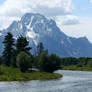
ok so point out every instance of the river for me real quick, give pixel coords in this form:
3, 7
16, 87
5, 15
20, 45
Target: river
72, 81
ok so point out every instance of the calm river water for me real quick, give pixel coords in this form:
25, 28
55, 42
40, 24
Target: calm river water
72, 81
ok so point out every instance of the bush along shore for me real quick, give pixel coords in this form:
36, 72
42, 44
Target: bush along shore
17, 59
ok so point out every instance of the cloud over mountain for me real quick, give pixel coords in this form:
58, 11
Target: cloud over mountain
14, 9
17, 7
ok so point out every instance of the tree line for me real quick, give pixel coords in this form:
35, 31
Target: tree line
17, 53
79, 62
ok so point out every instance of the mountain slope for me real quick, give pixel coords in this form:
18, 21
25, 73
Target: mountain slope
38, 28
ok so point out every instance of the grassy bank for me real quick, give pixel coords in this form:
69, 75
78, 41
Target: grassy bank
74, 67
13, 74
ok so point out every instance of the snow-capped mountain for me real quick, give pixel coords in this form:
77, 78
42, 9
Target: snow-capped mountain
37, 28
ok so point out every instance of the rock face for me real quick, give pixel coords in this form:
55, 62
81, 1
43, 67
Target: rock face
37, 28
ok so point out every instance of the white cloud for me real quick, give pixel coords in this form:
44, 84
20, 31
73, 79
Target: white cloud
16, 8
70, 20
67, 20
11, 7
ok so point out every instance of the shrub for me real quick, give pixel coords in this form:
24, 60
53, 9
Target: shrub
49, 63
24, 61
54, 63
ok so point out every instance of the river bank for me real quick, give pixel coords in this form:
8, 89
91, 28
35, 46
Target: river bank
13, 74
72, 81
75, 68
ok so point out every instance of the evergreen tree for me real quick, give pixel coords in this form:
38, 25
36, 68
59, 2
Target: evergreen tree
8, 48
54, 63
40, 49
13, 59
43, 62
22, 45
0, 60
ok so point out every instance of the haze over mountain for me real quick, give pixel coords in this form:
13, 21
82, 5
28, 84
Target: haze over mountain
37, 28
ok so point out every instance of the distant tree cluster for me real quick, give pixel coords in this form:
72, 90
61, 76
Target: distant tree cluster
17, 54
79, 62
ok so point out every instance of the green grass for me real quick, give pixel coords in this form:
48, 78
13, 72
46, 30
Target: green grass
14, 74
73, 67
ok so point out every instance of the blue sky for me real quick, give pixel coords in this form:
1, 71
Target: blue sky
82, 7
74, 17
1, 2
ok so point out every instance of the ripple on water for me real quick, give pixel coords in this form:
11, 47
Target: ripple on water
72, 81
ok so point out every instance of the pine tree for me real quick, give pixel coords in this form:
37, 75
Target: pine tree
22, 45
8, 48
40, 49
